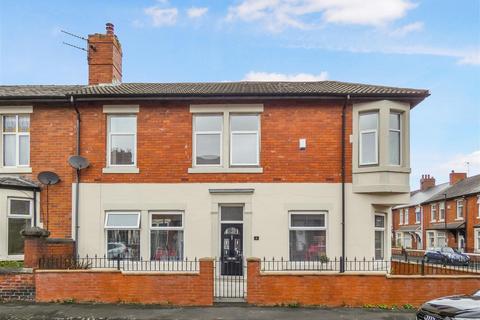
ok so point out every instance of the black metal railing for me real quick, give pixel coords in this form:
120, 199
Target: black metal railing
125, 264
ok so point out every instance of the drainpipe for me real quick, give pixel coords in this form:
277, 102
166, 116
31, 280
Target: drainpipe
344, 110
77, 174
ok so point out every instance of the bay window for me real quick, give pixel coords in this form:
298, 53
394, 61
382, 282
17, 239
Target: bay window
308, 235
441, 239
379, 226
368, 144
431, 239
16, 140
244, 140
407, 241
122, 140
166, 235
394, 136
123, 235
19, 217
208, 140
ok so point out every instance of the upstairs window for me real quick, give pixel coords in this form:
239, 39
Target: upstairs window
122, 140
418, 214
441, 215
368, 146
460, 209
208, 140
401, 216
16, 140
394, 136
433, 212
244, 140
406, 215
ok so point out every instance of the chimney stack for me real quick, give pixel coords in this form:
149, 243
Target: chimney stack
457, 177
426, 182
104, 57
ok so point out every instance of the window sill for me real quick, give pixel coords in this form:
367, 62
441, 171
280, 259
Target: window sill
459, 219
379, 168
16, 170
121, 170
225, 170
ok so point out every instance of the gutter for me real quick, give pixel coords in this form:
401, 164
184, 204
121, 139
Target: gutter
77, 173
344, 110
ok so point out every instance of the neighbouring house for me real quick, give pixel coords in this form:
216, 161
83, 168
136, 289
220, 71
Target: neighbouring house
299, 170
449, 215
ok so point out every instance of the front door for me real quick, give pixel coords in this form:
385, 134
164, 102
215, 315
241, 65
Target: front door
461, 242
232, 249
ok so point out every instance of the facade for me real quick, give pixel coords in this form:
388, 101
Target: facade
231, 170
449, 215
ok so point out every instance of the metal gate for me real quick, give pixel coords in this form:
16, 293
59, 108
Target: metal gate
230, 277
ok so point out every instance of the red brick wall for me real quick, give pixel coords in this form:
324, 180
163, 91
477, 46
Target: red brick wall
36, 248
116, 287
164, 135
16, 286
352, 290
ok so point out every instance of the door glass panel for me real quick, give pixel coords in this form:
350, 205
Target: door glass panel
232, 213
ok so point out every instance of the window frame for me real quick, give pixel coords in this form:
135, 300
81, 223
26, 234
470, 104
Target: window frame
460, 204
407, 216
195, 133
441, 209
437, 237
17, 216
151, 228
431, 236
107, 213
109, 139
400, 134
477, 240
257, 140
309, 212
360, 143
17, 135
418, 217
401, 216
478, 206
382, 229
433, 212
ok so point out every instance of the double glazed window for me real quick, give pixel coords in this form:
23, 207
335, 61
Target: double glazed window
460, 209
122, 140
431, 239
394, 136
16, 140
308, 235
123, 235
19, 217
400, 216
379, 236
368, 125
407, 215
243, 135
418, 214
166, 235
433, 212
441, 239
441, 215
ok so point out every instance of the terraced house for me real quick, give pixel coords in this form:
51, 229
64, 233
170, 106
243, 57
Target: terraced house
299, 170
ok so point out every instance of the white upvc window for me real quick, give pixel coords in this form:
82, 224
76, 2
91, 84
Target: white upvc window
122, 140
166, 235
431, 239
477, 240
407, 240
308, 235
16, 140
244, 140
478, 206
20, 213
401, 216
418, 214
441, 240
379, 227
433, 212
368, 135
407, 215
399, 238
395, 138
460, 213
123, 234
207, 139
441, 215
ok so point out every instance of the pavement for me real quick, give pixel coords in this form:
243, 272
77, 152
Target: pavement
17, 311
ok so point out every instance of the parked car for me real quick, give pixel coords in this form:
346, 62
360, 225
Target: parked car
446, 255
463, 307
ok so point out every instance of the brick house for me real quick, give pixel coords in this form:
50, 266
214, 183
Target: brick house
449, 215
231, 169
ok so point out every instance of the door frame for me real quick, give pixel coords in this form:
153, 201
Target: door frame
219, 230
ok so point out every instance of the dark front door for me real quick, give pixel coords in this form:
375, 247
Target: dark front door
232, 249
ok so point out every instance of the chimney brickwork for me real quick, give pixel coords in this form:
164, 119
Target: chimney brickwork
457, 177
426, 182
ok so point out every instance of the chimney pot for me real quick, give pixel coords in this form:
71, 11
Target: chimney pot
426, 182
110, 28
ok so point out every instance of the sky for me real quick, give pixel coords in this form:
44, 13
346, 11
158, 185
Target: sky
432, 44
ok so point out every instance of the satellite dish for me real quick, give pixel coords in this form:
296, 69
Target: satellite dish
48, 178
78, 162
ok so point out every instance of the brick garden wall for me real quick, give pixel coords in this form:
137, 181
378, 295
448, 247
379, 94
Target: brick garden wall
335, 290
17, 286
110, 286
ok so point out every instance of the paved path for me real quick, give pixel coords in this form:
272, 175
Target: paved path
120, 312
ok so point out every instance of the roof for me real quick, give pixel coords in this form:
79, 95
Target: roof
467, 186
448, 226
37, 91
214, 89
17, 182
418, 196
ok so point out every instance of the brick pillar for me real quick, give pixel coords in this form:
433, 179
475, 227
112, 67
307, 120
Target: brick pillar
35, 245
207, 278
253, 273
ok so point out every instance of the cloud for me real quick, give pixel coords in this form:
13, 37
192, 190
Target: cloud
162, 16
302, 14
406, 29
471, 59
265, 76
196, 12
